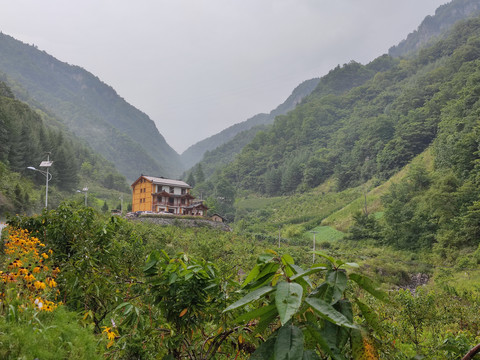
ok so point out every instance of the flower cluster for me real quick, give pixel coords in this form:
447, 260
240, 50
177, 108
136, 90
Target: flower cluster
111, 333
27, 276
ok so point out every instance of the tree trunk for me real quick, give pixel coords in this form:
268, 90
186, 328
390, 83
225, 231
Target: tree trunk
472, 353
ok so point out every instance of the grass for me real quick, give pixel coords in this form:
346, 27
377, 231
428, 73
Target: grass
343, 218
325, 233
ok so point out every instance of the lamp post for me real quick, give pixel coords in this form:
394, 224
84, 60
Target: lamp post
48, 176
84, 190
121, 203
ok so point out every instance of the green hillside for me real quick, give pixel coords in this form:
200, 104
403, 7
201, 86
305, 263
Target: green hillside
370, 131
25, 138
89, 108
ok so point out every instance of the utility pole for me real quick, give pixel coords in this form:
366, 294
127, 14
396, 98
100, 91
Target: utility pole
314, 232
279, 235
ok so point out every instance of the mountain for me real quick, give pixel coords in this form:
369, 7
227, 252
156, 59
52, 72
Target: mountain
336, 81
90, 109
221, 148
25, 137
436, 26
194, 153
368, 131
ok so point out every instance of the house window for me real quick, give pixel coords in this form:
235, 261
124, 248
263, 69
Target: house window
183, 201
171, 189
184, 191
170, 201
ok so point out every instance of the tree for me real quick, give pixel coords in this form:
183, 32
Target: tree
298, 318
199, 175
65, 168
191, 179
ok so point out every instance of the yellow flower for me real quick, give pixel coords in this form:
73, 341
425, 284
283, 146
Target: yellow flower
39, 285
29, 277
45, 256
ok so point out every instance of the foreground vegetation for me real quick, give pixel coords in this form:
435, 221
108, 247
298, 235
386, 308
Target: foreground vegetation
95, 287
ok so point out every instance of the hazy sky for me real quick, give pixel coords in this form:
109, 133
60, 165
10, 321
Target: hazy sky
198, 66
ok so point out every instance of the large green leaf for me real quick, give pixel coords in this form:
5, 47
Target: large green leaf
302, 274
150, 267
328, 345
266, 320
268, 269
288, 300
325, 256
343, 334
263, 275
338, 280
252, 275
256, 313
264, 351
265, 258
261, 281
371, 317
289, 344
369, 286
254, 295
310, 355
329, 313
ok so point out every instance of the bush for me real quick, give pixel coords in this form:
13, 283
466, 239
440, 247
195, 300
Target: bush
45, 336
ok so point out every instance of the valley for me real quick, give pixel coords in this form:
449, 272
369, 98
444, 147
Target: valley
348, 218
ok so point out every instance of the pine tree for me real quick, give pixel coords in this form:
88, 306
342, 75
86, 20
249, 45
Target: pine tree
105, 207
199, 175
191, 179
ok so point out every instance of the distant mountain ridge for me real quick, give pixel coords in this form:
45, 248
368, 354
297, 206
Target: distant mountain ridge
194, 153
91, 109
435, 26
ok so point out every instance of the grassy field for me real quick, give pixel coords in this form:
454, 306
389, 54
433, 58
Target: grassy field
325, 233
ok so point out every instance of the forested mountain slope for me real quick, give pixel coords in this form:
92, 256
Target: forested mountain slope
337, 81
25, 137
90, 108
194, 153
216, 155
370, 131
435, 26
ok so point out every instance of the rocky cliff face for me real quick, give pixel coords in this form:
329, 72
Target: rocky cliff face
436, 26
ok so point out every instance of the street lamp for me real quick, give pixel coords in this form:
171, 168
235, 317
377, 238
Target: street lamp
121, 203
85, 190
48, 176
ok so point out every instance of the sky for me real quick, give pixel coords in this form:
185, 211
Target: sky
198, 66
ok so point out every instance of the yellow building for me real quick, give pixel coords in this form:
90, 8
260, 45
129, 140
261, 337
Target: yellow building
160, 195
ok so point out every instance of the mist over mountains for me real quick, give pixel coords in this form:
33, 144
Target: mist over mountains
91, 109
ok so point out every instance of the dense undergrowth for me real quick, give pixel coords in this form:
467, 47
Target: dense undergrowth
126, 290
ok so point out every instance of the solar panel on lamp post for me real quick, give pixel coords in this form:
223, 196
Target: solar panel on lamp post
48, 176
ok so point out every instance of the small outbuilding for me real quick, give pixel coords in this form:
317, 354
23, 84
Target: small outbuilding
218, 218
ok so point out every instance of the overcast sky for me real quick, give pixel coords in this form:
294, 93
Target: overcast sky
198, 66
